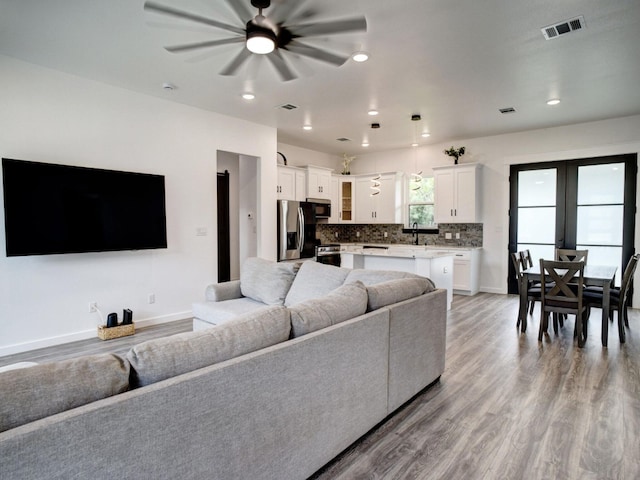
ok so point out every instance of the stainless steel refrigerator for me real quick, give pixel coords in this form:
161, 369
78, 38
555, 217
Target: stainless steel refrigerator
296, 230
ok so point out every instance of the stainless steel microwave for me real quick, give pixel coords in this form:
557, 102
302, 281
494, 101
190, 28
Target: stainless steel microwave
321, 207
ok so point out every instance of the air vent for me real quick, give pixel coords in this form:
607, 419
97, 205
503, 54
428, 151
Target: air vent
342, 139
508, 110
562, 28
288, 106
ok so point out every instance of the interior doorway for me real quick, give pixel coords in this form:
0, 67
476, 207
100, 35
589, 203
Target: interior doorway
242, 241
578, 204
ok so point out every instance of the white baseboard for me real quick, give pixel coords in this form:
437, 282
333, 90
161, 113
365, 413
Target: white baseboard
501, 291
85, 334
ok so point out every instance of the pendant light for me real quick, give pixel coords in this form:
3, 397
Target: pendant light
416, 178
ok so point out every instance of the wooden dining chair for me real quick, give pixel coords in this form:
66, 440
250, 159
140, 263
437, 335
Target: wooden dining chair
533, 293
618, 297
569, 255
565, 297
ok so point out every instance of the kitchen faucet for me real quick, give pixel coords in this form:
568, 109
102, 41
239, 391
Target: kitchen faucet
415, 233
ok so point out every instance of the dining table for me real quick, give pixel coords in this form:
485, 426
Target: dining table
598, 275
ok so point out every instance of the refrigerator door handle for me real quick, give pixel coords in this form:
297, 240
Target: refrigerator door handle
300, 229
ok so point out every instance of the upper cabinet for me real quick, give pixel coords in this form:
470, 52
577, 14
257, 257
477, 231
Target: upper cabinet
342, 199
291, 183
457, 193
319, 182
383, 207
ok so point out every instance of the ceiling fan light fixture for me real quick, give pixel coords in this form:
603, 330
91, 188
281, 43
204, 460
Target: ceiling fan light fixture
260, 40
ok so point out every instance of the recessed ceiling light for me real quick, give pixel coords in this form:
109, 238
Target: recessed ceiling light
168, 86
307, 127
360, 57
365, 144
414, 144
553, 101
373, 112
425, 134
248, 96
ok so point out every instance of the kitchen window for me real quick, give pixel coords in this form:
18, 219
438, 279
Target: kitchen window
421, 205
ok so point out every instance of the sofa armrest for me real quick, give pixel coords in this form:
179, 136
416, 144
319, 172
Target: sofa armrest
219, 292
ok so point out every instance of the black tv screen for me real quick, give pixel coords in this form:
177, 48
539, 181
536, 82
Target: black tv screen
51, 209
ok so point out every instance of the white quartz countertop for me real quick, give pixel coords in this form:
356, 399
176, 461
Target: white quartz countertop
402, 251
399, 249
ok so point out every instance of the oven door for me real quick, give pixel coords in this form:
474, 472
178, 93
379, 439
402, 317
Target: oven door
330, 258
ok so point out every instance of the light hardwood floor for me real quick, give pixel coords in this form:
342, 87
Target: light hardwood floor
506, 407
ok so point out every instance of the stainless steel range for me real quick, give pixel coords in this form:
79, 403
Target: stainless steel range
329, 254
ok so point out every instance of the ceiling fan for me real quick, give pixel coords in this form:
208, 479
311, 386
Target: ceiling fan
266, 36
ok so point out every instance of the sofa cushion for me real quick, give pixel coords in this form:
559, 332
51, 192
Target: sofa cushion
344, 303
39, 391
394, 291
371, 277
167, 357
220, 312
266, 281
315, 280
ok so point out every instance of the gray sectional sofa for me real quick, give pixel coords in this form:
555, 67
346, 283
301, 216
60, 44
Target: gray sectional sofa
273, 393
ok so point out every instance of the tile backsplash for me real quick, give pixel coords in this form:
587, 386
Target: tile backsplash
470, 234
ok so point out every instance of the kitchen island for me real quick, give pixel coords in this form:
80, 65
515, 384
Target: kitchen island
438, 266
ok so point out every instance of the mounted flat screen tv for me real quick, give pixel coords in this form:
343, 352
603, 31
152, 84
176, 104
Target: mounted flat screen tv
52, 209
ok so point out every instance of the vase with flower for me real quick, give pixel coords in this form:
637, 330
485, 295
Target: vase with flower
455, 153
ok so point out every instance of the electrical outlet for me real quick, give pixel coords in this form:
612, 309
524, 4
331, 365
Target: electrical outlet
357, 234
457, 235
93, 307
447, 236
336, 234
152, 298
385, 235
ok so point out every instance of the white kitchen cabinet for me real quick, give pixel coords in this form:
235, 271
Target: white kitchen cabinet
342, 199
386, 206
319, 182
291, 183
457, 193
466, 270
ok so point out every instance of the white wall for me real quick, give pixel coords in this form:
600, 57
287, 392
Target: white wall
301, 157
54, 117
497, 153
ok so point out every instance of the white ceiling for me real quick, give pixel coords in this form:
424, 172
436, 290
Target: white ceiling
455, 62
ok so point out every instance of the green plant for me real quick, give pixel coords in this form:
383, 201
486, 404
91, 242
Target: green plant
452, 152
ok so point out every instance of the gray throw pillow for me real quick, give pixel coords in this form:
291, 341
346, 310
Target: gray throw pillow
315, 280
167, 357
344, 303
266, 281
394, 291
371, 277
42, 390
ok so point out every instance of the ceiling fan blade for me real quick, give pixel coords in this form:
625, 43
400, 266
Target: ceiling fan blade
156, 7
240, 7
317, 53
281, 66
211, 43
329, 28
236, 63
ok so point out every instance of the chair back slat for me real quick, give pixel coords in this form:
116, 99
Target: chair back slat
569, 255
567, 280
627, 277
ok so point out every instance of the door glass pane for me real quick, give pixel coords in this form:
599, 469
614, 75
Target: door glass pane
537, 188
538, 251
601, 184
604, 256
537, 225
600, 225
